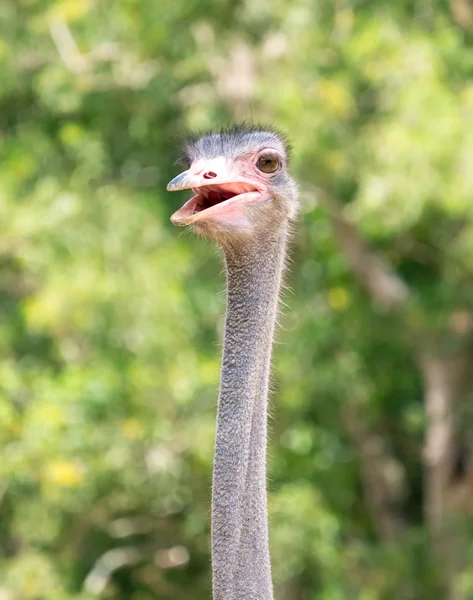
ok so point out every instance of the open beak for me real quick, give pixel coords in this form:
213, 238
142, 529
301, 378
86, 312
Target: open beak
219, 193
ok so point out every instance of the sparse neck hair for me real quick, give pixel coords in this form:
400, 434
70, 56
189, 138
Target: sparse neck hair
240, 548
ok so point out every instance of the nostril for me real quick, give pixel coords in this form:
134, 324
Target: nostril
210, 175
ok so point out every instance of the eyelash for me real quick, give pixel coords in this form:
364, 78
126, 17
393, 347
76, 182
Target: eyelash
270, 157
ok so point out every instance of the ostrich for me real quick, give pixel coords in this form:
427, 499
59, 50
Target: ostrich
245, 200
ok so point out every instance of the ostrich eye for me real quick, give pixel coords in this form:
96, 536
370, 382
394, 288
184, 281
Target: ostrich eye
268, 164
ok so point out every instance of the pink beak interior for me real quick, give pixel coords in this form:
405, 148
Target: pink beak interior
217, 195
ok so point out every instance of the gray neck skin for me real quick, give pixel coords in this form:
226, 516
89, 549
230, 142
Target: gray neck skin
240, 552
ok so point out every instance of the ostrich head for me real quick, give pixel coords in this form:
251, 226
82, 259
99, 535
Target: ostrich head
240, 180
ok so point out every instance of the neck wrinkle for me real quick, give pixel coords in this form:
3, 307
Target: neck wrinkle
240, 549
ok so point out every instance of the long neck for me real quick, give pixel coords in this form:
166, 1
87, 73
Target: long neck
240, 550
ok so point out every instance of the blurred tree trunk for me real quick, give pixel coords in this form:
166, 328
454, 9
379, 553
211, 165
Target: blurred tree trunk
448, 495
382, 475
447, 461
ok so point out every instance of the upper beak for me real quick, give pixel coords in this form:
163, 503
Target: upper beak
185, 181
204, 172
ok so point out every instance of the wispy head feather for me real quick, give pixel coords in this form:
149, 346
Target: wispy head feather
231, 140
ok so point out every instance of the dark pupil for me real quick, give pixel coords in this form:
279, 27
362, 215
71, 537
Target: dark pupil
268, 165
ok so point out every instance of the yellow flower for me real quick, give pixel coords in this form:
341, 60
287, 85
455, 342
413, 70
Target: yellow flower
132, 429
64, 473
338, 298
70, 10
336, 97
51, 414
44, 310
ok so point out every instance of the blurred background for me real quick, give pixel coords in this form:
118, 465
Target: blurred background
111, 319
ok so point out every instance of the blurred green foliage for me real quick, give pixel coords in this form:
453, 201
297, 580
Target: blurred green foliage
110, 319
